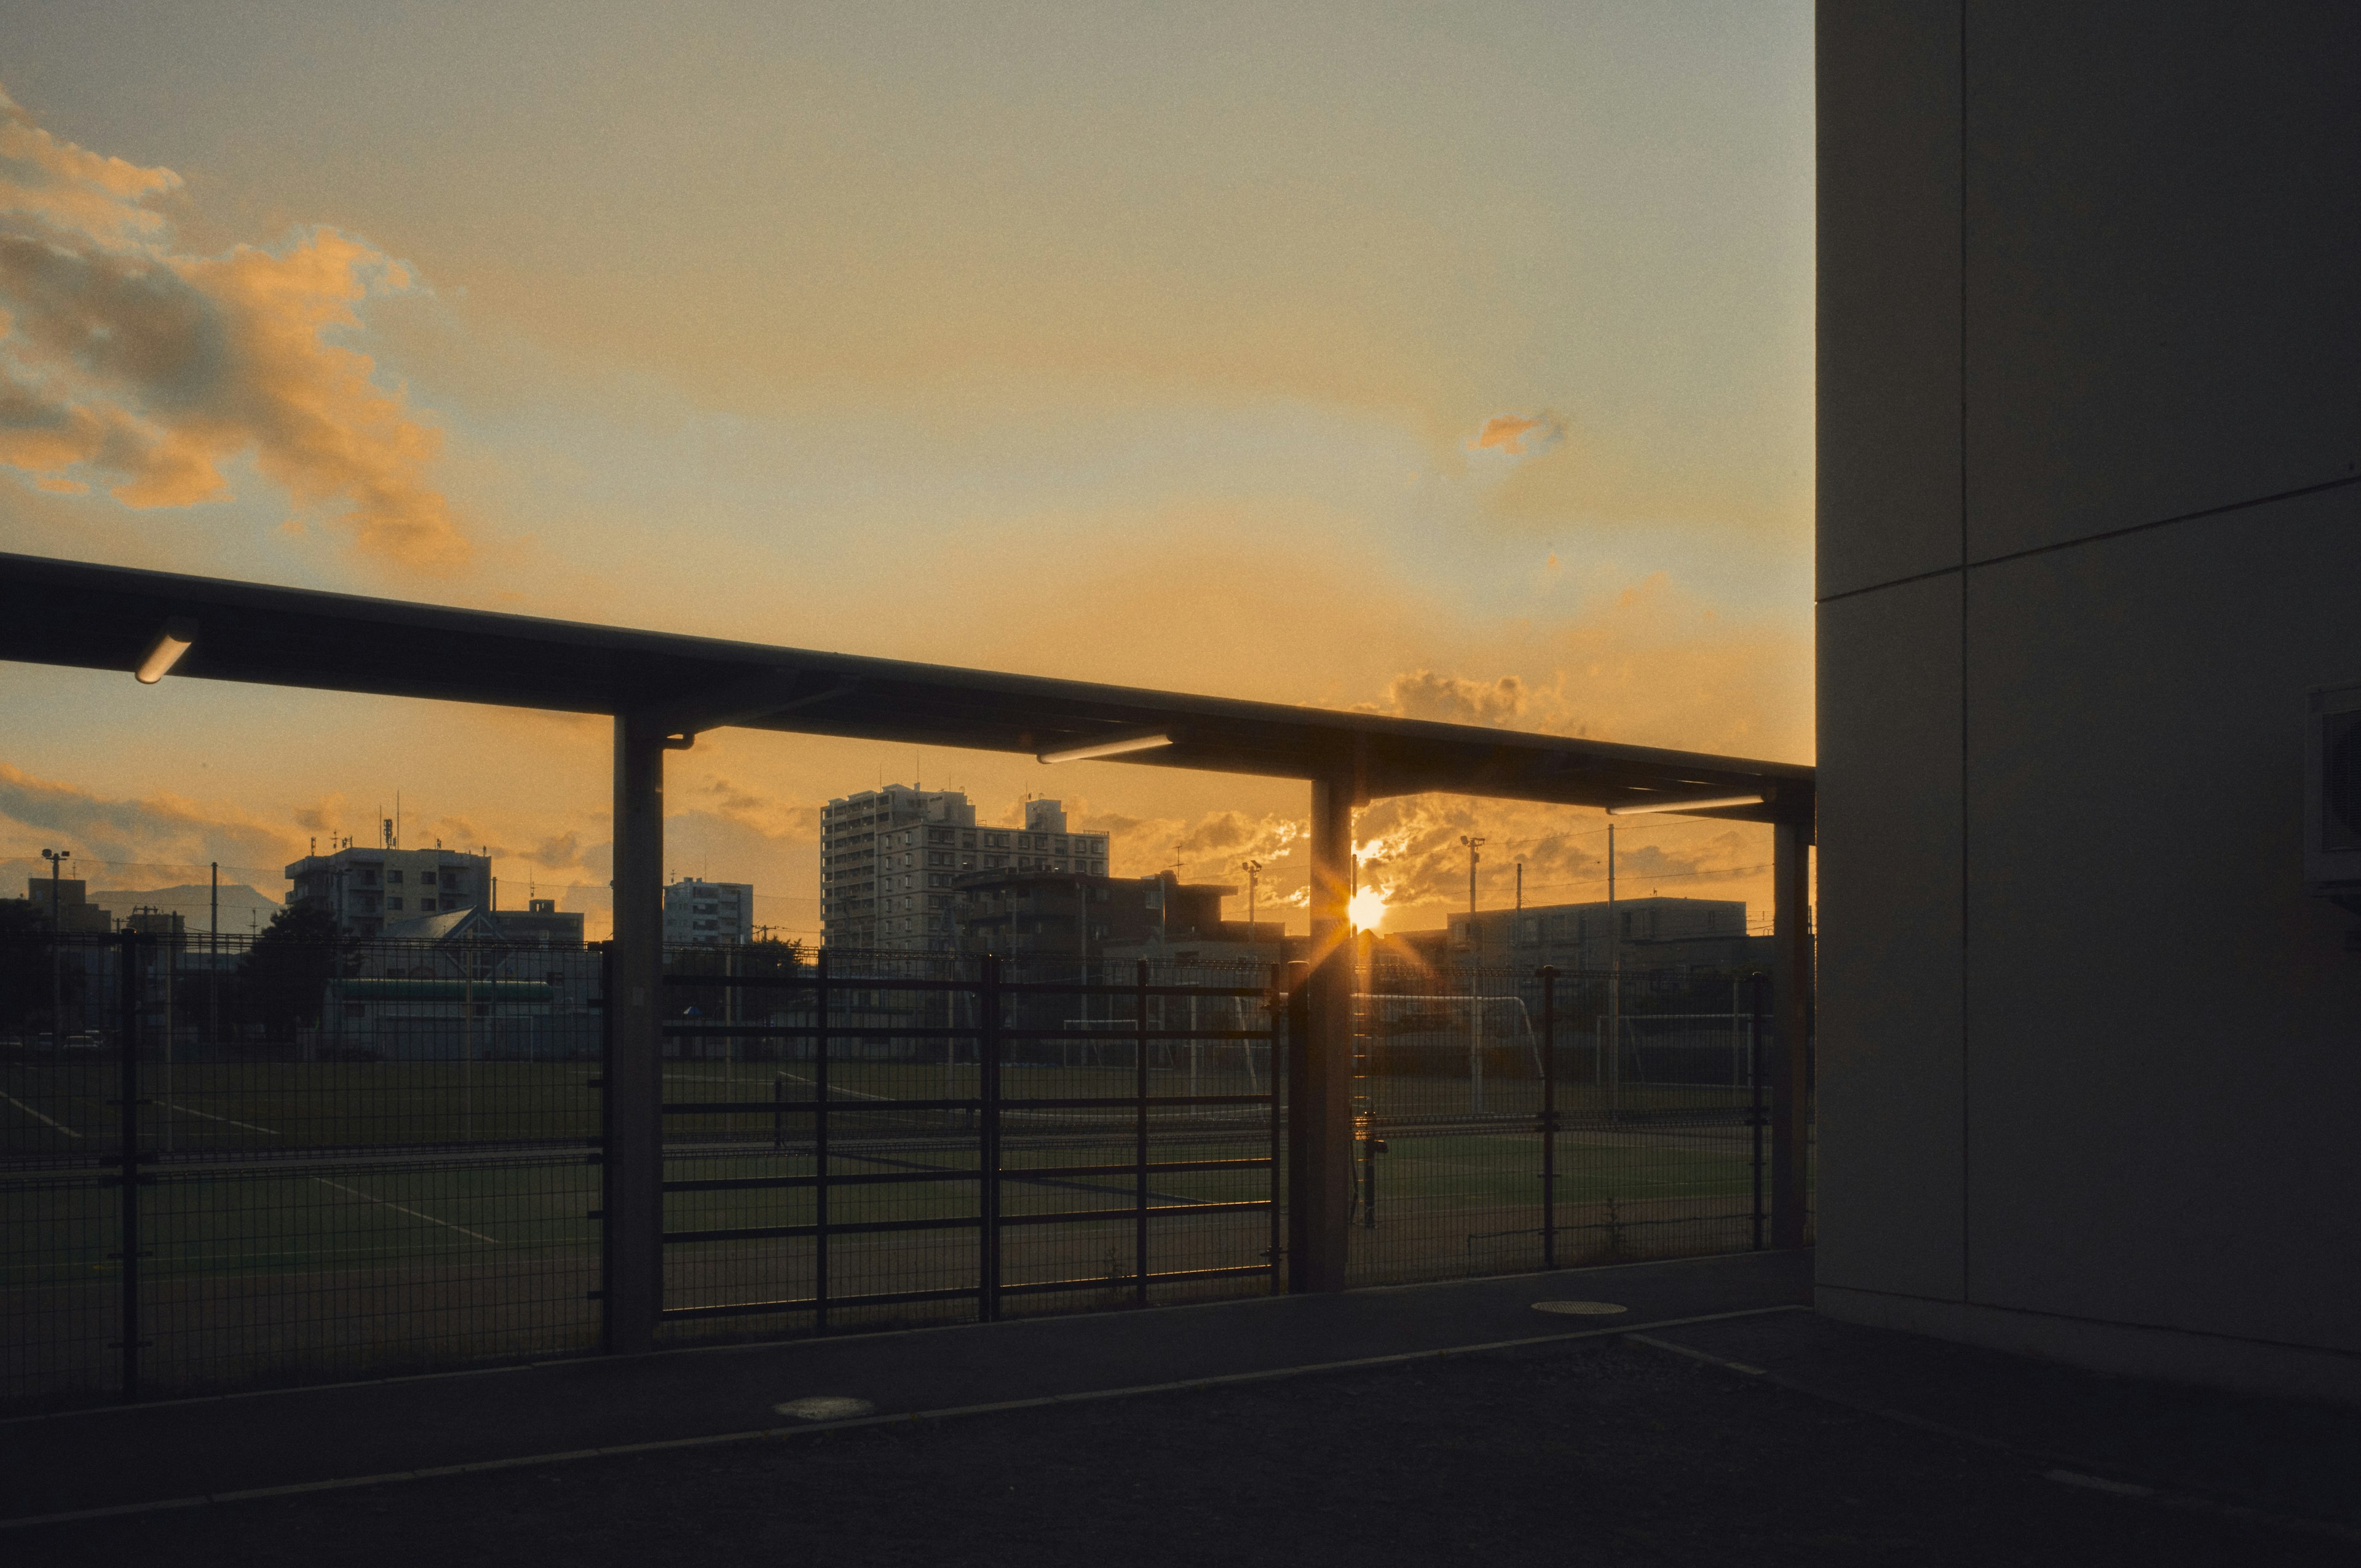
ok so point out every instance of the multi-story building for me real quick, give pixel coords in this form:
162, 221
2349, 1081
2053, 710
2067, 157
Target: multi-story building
368, 889
699, 914
1075, 914
63, 904
1643, 933
889, 857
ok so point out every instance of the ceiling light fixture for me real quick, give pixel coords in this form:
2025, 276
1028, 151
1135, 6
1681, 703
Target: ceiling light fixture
166, 651
1090, 749
1703, 803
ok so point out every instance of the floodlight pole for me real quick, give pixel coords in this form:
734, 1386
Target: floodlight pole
57, 955
634, 1162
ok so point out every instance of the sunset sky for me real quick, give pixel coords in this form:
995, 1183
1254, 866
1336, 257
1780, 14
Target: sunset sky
1452, 361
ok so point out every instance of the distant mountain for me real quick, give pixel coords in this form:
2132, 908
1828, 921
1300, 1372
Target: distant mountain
242, 908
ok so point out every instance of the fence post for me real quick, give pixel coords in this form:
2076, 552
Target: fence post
1299, 1159
1272, 1006
1791, 994
1754, 1080
635, 1067
1139, 1137
1549, 1117
128, 1133
819, 1142
988, 1153
608, 1238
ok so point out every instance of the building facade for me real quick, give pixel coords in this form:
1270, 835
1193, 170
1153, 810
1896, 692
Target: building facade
699, 914
889, 859
1074, 914
1640, 933
368, 889
2090, 523
63, 904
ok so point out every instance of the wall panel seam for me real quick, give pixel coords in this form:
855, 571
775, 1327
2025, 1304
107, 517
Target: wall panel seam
2225, 510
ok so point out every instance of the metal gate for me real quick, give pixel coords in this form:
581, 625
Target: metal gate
852, 1140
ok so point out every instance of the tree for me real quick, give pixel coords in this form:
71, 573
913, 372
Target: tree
284, 978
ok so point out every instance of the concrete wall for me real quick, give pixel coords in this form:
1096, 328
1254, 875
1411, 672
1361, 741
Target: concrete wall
2089, 477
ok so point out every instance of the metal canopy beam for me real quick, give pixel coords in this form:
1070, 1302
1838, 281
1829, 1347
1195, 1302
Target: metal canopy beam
106, 618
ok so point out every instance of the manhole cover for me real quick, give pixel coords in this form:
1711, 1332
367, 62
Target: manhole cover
1581, 1309
825, 1408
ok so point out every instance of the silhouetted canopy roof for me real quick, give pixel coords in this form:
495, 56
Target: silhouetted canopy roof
106, 618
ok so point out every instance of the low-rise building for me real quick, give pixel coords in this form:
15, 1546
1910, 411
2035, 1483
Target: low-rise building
699, 914
1641, 933
461, 986
369, 889
61, 904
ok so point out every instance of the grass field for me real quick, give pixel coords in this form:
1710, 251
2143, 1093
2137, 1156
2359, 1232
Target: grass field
306, 1219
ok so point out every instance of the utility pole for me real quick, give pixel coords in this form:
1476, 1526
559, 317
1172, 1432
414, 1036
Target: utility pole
212, 966
1521, 884
57, 954
1254, 870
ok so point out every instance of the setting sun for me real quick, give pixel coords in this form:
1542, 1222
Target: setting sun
1368, 909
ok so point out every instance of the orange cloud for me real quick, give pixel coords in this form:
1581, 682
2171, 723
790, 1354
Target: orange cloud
1518, 434
1423, 694
119, 357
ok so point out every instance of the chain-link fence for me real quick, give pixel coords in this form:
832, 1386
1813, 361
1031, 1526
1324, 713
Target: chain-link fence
898, 1137
337, 1160
269, 1162
1514, 1119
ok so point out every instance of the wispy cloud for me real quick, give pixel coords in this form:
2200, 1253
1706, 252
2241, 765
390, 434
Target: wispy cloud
1519, 436
131, 364
158, 830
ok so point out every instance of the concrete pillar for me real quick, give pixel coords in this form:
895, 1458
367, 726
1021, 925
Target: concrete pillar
634, 1170
1320, 1112
1790, 992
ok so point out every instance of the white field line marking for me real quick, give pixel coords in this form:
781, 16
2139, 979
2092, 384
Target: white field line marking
834, 1088
36, 1116
400, 1210
209, 1116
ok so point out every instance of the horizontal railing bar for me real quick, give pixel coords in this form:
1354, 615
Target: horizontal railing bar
856, 1228
1120, 1032
806, 1107
1100, 988
1043, 1288
845, 982
1117, 1101
836, 1178
883, 1298
1155, 1212
1154, 1167
675, 1028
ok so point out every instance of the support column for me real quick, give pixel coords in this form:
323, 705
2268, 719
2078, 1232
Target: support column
1791, 989
1320, 1112
635, 1197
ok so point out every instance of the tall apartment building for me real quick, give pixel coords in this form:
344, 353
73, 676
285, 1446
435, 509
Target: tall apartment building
887, 857
699, 914
368, 889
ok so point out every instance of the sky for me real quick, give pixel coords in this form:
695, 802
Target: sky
1446, 361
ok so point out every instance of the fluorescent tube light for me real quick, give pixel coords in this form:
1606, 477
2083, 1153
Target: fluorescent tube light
166, 651
1701, 803
1085, 752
